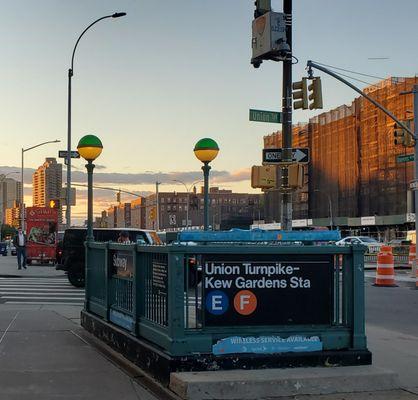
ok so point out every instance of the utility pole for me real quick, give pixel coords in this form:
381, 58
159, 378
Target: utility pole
286, 206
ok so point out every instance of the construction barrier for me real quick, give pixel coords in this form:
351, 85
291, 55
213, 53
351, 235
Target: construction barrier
385, 271
400, 257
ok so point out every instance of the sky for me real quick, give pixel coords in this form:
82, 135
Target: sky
153, 83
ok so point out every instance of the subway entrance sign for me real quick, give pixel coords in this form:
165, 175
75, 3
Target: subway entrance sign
267, 290
405, 158
265, 116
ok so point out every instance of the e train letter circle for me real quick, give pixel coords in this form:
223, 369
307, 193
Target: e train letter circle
217, 302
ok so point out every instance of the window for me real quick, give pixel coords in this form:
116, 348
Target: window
180, 208
168, 208
162, 200
162, 208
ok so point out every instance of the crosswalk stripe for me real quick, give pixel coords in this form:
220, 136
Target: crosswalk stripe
42, 297
48, 291
5, 290
61, 303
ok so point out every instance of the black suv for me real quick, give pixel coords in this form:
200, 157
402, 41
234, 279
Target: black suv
73, 250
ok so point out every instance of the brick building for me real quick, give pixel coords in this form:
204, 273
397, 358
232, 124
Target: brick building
354, 162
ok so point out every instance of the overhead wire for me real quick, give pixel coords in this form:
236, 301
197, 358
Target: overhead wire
349, 71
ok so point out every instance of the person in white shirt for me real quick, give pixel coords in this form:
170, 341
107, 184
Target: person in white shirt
19, 242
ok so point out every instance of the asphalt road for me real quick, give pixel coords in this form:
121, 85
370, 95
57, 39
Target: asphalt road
394, 308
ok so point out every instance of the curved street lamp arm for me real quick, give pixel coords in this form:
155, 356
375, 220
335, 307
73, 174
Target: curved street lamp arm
178, 181
82, 33
188, 188
41, 144
108, 188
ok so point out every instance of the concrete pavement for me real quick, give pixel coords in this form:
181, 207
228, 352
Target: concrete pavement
44, 357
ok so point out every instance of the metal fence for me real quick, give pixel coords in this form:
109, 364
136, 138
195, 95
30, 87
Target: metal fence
160, 293
400, 256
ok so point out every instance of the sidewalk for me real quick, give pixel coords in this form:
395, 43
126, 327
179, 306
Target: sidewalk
43, 357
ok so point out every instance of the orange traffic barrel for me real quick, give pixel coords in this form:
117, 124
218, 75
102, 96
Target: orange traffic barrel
385, 271
412, 256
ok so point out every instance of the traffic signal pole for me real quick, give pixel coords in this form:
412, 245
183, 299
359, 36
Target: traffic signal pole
286, 206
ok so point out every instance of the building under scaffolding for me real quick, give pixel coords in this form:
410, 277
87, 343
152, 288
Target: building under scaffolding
354, 175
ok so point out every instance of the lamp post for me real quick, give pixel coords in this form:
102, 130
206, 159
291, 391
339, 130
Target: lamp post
206, 151
330, 208
188, 188
22, 204
89, 147
70, 75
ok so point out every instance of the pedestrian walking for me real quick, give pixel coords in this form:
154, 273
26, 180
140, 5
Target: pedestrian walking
19, 242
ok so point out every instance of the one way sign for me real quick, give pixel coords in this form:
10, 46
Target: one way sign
275, 156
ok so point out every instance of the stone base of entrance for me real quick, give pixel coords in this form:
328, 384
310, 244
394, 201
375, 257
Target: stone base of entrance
161, 365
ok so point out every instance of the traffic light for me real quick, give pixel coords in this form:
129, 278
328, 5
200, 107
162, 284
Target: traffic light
401, 136
315, 93
296, 174
54, 203
300, 93
118, 197
152, 213
261, 7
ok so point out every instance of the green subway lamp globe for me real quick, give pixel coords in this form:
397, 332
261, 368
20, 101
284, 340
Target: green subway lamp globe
206, 150
90, 147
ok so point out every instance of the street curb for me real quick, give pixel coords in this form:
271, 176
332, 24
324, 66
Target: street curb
133, 371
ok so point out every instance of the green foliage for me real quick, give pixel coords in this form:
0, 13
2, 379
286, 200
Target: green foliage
7, 231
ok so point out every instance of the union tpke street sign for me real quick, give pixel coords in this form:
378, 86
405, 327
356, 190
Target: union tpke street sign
405, 158
265, 116
275, 156
63, 154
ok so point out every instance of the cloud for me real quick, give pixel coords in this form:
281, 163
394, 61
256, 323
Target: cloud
111, 178
150, 178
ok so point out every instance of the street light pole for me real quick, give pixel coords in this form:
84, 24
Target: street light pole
22, 204
415, 92
68, 158
206, 169
286, 206
206, 151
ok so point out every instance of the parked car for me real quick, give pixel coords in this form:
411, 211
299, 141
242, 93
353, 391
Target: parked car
372, 244
73, 250
3, 248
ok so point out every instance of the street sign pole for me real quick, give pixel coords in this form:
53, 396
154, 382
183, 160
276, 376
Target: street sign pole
286, 203
415, 92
